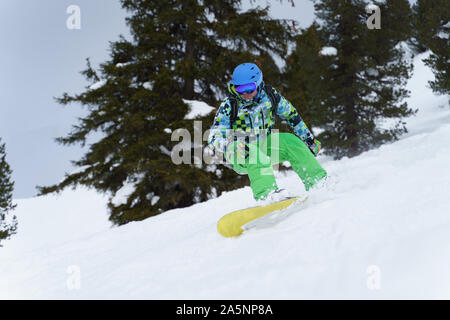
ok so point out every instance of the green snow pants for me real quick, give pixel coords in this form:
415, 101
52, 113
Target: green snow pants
274, 149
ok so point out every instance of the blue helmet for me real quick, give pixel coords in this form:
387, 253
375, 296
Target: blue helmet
247, 73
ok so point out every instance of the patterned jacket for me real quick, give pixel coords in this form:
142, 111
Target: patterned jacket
254, 117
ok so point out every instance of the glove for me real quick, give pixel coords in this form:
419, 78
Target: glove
236, 149
314, 145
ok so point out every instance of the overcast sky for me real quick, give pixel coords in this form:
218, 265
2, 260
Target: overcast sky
40, 59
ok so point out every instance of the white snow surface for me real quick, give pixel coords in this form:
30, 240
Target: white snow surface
443, 35
372, 7
197, 109
380, 230
328, 51
97, 85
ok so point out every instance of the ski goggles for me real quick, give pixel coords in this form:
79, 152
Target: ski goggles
245, 88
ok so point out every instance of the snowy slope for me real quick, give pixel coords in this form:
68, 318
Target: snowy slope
382, 230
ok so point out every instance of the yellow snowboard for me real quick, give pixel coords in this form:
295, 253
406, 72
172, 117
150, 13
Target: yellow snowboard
231, 225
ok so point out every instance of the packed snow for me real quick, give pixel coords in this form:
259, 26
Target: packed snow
380, 229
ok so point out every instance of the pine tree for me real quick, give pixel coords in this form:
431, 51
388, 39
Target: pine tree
8, 224
302, 75
432, 20
364, 83
415, 42
181, 49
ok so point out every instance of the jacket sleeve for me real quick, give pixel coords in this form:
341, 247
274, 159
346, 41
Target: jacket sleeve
286, 111
217, 139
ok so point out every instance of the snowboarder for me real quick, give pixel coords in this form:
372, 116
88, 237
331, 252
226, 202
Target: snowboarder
249, 112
